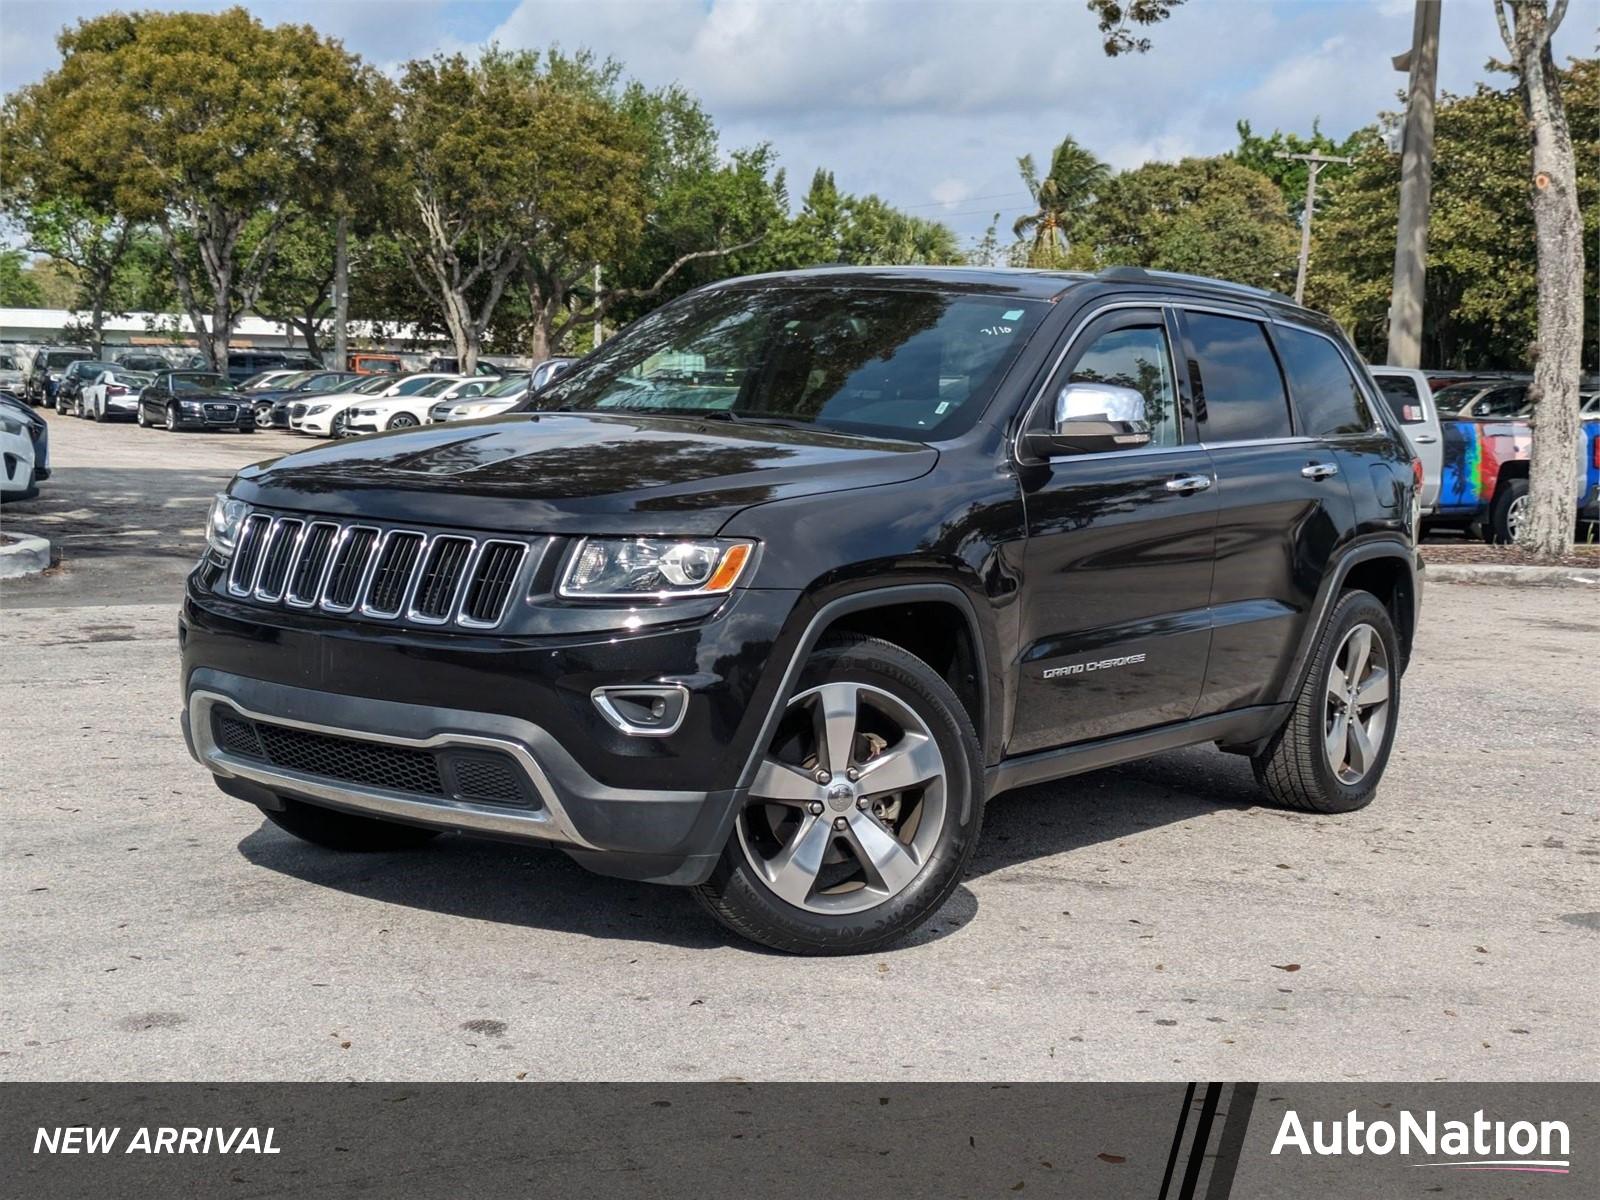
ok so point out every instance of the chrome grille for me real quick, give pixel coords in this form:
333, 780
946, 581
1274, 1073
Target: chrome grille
435, 579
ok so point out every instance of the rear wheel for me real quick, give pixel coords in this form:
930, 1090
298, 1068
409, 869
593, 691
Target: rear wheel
1330, 754
139, 418
335, 830
863, 812
1509, 513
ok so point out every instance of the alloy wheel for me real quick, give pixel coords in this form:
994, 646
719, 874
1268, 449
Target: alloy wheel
849, 801
402, 421
1357, 704
1516, 514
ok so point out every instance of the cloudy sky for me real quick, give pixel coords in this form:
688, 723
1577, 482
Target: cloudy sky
926, 102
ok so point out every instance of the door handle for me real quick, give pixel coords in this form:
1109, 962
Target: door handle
1320, 470
1426, 439
1189, 483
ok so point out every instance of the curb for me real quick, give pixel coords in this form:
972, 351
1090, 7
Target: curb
28, 555
1516, 575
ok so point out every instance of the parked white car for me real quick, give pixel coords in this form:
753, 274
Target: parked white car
329, 415
115, 393
1410, 399
11, 377
403, 407
16, 458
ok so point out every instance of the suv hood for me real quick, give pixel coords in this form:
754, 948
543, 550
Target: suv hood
577, 472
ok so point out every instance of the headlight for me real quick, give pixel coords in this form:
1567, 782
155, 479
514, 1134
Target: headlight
644, 568
189, 405
222, 526
7, 425
469, 411
315, 409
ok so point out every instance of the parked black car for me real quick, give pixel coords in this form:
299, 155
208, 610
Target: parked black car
69, 388
774, 591
44, 372
139, 360
194, 400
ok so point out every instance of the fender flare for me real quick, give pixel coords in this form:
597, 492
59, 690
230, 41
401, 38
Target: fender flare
1332, 585
871, 597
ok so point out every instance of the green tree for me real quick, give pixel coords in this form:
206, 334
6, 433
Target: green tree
833, 226
1481, 304
1205, 216
18, 287
1120, 19
200, 124
1074, 180
1261, 154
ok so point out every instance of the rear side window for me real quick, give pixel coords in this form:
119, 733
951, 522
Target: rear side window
1400, 393
1326, 394
1238, 389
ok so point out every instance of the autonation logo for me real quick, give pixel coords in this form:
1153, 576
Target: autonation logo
1476, 1145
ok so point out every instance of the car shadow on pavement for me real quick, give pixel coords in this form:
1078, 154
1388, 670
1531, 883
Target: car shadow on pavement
1048, 819
485, 880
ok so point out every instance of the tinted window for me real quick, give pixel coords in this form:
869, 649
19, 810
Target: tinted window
198, 382
1456, 396
1136, 357
1239, 392
895, 361
1326, 395
1503, 402
1400, 392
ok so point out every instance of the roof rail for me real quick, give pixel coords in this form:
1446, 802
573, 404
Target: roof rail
1142, 275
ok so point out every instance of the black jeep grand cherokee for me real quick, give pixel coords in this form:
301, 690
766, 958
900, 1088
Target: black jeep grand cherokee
773, 592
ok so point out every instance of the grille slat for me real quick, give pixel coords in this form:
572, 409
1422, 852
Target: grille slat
441, 578
349, 568
474, 775
306, 582
492, 579
428, 579
392, 579
278, 557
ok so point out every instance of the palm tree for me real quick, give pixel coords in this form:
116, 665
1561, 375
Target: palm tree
1075, 176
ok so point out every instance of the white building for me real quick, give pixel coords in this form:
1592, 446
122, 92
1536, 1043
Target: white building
45, 325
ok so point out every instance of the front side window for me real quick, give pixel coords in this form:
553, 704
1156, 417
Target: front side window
892, 362
1400, 393
1135, 356
1503, 402
1238, 389
1326, 395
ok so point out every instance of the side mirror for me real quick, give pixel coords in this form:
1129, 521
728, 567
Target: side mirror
1092, 417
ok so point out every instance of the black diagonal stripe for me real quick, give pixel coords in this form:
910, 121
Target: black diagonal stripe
1202, 1138
1231, 1146
1177, 1140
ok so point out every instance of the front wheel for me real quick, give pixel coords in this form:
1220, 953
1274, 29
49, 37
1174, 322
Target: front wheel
172, 418
139, 418
863, 811
1330, 754
335, 830
401, 421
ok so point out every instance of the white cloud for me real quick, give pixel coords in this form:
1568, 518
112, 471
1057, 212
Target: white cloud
926, 102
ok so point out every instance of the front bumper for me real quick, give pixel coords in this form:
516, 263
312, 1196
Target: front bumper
657, 808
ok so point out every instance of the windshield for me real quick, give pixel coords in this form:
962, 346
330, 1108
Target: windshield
410, 387
61, 358
891, 362
325, 383
136, 379
367, 385
1456, 397
197, 381
511, 385
437, 386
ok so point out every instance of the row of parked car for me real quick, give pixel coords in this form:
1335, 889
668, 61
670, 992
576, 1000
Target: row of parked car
302, 397
1474, 439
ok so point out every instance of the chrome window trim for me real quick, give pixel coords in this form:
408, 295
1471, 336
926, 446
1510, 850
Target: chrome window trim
1156, 305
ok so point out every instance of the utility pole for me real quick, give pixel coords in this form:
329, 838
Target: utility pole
1314, 164
599, 325
341, 293
1416, 187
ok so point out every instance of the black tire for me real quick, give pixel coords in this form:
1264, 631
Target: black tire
172, 418
1293, 768
740, 899
335, 830
401, 421
98, 416
339, 426
61, 403
139, 418
1497, 529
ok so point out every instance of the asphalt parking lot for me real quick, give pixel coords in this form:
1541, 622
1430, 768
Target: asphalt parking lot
1146, 922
